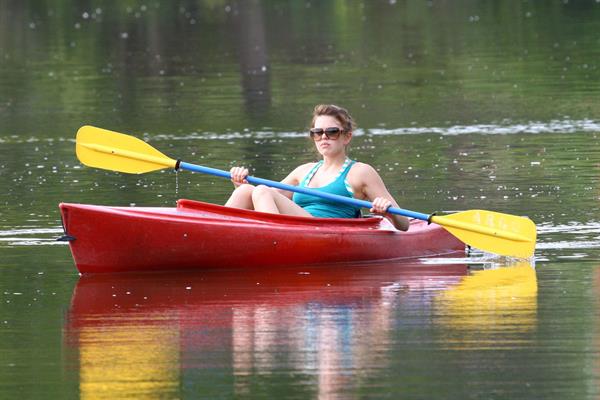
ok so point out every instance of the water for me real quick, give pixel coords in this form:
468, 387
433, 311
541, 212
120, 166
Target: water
460, 106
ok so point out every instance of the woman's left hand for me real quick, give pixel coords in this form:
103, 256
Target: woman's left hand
380, 205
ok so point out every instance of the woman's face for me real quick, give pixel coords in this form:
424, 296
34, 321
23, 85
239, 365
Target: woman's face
328, 146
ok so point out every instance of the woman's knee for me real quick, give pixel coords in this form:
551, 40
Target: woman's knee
261, 191
242, 192
244, 189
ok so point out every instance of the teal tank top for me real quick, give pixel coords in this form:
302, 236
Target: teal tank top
322, 208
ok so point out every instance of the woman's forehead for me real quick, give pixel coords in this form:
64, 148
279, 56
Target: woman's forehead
326, 121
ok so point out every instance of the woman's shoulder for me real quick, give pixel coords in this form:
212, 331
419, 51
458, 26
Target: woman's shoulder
363, 173
303, 169
360, 168
306, 167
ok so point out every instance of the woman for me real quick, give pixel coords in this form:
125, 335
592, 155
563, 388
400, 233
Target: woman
331, 132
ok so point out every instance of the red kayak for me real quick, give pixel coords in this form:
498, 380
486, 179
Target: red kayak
197, 235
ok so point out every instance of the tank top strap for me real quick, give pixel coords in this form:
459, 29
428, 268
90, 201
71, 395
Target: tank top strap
311, 173
344, 175
347, 165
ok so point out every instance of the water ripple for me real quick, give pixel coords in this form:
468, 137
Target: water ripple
572, 227
504, 128
28, 236
533, 127
553, 126
566, 241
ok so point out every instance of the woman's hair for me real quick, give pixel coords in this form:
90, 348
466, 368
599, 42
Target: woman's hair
339, 113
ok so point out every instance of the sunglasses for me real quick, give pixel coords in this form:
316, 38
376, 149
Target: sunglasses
332, 133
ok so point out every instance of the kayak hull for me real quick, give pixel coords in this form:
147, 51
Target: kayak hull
196, 235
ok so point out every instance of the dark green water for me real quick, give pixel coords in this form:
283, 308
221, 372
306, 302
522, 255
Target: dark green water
461, 105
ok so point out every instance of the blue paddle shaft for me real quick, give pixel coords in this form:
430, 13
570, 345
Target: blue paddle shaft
298, 189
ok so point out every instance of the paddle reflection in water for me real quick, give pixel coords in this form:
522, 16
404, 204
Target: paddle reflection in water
490, 308
224, 331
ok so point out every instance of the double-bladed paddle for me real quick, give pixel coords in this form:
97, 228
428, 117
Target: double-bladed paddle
490, 231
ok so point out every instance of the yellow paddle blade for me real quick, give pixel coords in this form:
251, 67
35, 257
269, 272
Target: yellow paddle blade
101, 148
498, 233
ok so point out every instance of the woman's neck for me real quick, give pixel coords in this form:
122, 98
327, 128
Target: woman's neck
334, 161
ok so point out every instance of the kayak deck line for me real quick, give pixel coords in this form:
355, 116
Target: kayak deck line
185, 215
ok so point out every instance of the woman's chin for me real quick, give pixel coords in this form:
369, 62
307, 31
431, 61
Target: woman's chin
326, 151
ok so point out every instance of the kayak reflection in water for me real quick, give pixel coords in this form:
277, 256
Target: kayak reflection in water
331, 132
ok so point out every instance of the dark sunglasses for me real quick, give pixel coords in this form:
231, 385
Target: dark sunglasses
332, 133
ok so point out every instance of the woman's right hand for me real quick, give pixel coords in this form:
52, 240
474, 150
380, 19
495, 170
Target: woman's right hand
238, 175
